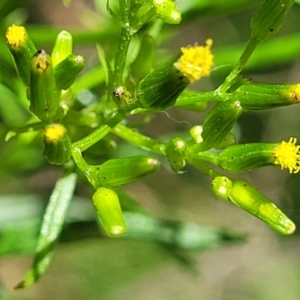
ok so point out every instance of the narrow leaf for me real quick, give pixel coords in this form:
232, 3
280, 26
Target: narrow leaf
51, 228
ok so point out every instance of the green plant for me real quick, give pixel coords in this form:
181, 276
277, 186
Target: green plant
131, 85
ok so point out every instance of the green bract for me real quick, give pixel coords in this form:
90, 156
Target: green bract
257, 96
63, 47
44, 95
22, 49
107, 205
57, 144
167, 11
219, 122
119, 171
176, 154
269, 18
240, 158
67, 70
160, 89
247, 197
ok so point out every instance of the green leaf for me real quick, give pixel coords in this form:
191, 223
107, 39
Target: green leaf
51, 228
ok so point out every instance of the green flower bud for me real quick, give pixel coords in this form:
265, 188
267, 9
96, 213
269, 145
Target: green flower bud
44, 96
176, 154
256, 96
160, 89
219, 122
67, 70
63, 47
57, 144
269, 18
221, 186
196, 132
119, 171
108, 208
247, 197
167, 11
22, 50
240, 158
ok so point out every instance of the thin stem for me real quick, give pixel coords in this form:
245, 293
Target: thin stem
201, 166
138, 139
233, 76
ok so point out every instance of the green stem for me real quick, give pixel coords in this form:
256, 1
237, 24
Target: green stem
138, 139
233, 76
120, 60
201, 166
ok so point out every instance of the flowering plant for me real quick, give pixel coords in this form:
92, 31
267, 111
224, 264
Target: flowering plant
72, 126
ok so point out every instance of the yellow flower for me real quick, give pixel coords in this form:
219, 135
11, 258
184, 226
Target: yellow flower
287, 155
195, 61
16, 36
54, 133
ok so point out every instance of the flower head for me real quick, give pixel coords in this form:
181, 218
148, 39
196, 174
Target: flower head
287, 155
54, 133
195, 61
16, 36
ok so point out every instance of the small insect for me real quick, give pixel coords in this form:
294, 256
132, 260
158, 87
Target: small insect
121, 95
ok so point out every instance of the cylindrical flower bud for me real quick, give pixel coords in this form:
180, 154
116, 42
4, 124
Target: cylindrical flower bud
247, 197
240, 158
219, 122
107, 205
167, 11
269, 18
44, 95
246, 157
160, 89
22, 50
57, 144
67, 70
119, 171
63, 47
176, 154
256, 96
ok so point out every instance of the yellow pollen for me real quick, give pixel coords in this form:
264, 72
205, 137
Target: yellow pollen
287, 155
195, 61
54, 133
295, 93
16, 36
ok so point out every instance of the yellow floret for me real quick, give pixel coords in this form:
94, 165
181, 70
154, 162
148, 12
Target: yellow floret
195, 61
287, 155
16, 36
54, 133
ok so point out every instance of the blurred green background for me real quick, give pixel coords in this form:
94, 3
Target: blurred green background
264, 267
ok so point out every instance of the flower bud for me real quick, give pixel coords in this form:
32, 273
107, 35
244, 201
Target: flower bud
176, 154
121, 96
256, 96
119, 171
44, 96
167, 11
219, 122
247, 197
63, 47
57, 144
160, 89
67, 70
240, 158
22, 50
107, 205
269, 18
